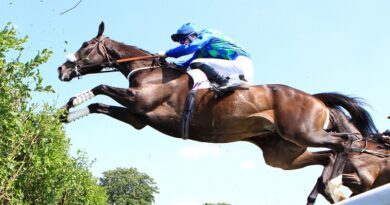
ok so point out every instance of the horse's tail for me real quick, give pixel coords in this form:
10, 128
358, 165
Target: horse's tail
360, 117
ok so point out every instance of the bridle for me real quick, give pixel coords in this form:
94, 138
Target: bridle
365, 148
110, 61
368, 151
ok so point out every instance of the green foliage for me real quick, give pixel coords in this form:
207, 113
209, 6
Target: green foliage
128, 186
35, 167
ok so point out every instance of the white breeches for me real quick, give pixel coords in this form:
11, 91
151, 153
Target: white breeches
241, 65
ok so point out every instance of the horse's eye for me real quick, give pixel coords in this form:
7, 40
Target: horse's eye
85, 44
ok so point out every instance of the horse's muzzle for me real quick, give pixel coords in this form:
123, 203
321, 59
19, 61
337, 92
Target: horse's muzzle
64, 75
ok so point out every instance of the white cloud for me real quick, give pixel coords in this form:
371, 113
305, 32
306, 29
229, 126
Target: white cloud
199, 151
248, 164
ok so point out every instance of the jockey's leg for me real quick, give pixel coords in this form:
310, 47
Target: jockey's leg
210, 72
218, 70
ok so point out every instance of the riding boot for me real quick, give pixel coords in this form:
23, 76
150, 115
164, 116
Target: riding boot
210, 72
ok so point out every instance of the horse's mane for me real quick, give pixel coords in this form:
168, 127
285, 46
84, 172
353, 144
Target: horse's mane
137, 48
130, 47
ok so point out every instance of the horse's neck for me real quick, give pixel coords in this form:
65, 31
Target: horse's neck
119, 50
158, 74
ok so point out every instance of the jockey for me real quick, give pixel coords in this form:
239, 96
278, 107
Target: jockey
213, 53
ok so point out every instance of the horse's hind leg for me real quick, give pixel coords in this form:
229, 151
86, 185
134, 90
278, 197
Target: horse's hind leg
280, 153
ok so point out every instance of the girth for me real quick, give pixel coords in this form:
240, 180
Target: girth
187, 114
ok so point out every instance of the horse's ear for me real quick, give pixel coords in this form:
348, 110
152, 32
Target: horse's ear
101, 29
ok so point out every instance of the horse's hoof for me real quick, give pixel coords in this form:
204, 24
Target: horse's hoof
310, 201
64, 116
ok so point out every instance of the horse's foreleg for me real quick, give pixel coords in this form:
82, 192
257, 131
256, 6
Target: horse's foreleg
119, 113
78, 99
321, 183
353, 182
121, 95
310, 158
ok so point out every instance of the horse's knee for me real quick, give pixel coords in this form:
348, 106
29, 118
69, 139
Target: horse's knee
97, 107
99, 89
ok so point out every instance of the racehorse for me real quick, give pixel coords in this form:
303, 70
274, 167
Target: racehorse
157, 94
367, 166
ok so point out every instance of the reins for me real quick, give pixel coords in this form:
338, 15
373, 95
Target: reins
365, 149
122, 60
368, 151
125, 60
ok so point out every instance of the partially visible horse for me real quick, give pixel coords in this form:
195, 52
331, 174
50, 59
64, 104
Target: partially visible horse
156, 96
367, 167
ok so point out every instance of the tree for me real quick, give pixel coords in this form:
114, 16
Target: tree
35, 167
128, 186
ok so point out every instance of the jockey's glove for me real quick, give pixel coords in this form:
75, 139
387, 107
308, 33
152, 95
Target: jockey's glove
161, 54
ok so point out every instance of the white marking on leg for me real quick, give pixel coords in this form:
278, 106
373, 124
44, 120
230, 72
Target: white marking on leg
337, 191
78, 114
82, 97
327, 121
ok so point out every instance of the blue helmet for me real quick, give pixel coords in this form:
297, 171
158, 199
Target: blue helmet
183, 32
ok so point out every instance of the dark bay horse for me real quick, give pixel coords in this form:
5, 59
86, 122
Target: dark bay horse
264, 114
367, 167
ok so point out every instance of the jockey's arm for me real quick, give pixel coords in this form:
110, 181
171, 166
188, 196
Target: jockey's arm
183, 50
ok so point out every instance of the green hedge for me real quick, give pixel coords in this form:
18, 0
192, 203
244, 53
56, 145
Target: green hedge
35, 165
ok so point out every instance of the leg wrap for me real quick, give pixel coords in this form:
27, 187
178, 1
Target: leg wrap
78, 114
83, 97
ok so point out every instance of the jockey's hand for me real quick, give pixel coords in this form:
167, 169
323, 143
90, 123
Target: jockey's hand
161, 54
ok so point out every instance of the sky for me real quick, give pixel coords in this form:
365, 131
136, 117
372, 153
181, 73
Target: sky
314, 46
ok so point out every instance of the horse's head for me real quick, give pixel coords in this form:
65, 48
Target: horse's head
92, 57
